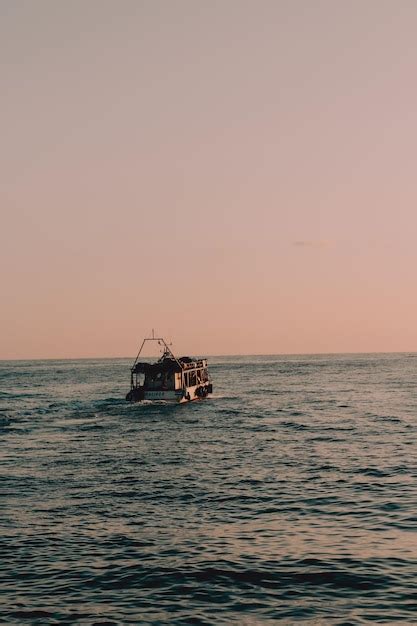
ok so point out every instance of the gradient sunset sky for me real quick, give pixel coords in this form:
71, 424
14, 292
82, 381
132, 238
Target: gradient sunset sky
239, 175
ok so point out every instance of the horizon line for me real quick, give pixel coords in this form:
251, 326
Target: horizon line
209, 356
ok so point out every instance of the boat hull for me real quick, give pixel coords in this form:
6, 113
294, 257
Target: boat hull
178, 396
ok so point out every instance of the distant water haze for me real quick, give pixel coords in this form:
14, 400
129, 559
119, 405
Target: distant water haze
238, 175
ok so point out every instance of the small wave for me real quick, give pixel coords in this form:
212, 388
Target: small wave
294, 425
388, 418
230, 412
279, 576
373, 471
31, 614
219, 396
5, 421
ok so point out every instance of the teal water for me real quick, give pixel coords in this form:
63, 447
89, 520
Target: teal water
289, 496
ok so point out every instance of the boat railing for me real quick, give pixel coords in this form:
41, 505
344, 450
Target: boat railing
194, 364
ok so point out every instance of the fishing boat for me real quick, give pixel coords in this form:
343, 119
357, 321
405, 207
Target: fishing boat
170, 379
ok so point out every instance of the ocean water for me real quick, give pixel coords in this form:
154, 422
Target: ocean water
290, 496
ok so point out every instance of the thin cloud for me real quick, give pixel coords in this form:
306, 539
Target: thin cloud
311, 243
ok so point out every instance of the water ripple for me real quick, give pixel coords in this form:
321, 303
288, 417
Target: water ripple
291, 499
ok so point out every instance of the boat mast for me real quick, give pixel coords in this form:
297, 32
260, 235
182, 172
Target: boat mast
160, 340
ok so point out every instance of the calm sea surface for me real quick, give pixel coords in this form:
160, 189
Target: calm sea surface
289, 496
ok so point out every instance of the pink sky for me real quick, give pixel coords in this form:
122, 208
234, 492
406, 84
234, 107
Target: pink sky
239, 175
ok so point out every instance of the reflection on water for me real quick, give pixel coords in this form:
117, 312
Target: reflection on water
289, 496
